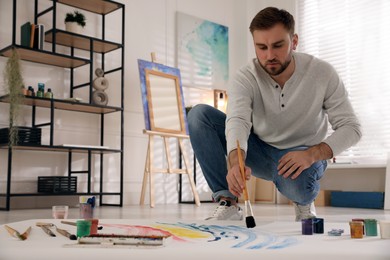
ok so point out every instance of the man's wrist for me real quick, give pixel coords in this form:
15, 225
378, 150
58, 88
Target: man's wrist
321, 151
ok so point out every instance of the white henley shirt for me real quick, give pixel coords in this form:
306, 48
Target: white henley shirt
296, 115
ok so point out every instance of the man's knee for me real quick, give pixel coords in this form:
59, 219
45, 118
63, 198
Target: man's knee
196, 113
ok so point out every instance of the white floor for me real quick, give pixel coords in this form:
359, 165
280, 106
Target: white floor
276, 235
262, 212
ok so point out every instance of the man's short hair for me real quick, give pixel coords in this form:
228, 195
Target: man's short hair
270, 16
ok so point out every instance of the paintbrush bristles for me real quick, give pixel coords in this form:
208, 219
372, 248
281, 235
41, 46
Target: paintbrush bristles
250, 222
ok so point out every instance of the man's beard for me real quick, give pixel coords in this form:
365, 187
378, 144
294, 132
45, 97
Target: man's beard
276, 71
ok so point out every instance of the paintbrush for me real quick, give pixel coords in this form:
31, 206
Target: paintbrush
16, 234
250, 220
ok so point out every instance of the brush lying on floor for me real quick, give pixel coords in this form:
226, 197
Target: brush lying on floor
250, 220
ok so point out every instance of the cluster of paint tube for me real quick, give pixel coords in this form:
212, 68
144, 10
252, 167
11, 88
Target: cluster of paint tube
359, 228
369, 228
312, 226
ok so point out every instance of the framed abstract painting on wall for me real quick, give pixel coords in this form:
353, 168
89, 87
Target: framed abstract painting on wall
202, 52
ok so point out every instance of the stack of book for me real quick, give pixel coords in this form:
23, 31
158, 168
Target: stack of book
32, 35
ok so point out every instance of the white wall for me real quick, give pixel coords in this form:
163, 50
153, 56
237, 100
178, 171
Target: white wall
150, 27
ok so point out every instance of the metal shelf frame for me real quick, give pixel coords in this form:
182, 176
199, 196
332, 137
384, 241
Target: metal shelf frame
73, 41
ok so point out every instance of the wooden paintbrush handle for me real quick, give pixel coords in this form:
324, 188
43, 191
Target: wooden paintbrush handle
242, 169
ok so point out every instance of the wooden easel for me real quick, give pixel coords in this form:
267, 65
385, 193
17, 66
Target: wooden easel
150, 170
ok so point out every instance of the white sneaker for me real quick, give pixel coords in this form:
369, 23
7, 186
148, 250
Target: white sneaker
226, 211
304, 211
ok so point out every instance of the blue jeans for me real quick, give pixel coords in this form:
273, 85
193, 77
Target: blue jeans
207, 134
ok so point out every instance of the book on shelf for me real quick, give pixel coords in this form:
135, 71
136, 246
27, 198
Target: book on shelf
32, 35
25, 34
38, 36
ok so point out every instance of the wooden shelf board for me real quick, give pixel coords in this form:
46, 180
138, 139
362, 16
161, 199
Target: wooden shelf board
95, 6
59, 148
65, 105
45, 57
81, 42
61, 194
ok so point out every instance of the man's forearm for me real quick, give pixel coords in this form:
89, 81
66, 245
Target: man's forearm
321, 151
233, 158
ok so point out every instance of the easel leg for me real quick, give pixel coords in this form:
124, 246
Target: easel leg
151, 172
146, 175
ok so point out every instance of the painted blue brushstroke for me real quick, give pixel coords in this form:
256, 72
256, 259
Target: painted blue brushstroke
233, 232
285, 243
269, 239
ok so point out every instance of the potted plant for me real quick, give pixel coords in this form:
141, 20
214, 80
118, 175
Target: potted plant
13, 86
74, 21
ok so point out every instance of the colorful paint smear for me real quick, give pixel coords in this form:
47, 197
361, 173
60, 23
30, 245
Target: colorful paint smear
232, 236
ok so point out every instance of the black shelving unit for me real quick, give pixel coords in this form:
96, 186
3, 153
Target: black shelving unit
73, 41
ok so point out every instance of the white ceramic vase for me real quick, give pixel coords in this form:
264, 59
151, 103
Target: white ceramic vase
73, 27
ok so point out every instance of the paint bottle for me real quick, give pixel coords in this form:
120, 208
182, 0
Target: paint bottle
83, 228
371, 227
318, 225
307, 226
94, 226
361, 220
356, 229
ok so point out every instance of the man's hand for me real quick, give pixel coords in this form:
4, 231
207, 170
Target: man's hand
294, 163
297, 161
235, 181
234, 177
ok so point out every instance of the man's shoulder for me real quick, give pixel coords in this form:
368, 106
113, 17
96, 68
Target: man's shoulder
307, 60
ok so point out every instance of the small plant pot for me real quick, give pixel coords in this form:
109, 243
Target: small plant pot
73, 27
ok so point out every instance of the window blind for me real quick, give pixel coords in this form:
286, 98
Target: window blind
353, 35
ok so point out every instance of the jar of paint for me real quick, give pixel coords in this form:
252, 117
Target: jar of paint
385, 229
371, 227
318, 225
356, 229
307, 226
94, 226
361, 220
83, 228
86, 211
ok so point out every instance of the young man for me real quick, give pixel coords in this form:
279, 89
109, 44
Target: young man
278, 109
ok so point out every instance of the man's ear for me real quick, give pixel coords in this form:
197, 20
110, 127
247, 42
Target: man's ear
295, 41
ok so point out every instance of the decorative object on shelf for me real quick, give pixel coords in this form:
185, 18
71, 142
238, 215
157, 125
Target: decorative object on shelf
99, 97
25, 135
49, 93
99, 72
100, 83
74, 22
41, 90
57, 184
13, 82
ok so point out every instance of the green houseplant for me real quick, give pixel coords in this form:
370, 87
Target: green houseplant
74, 21
13, 87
